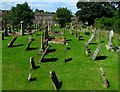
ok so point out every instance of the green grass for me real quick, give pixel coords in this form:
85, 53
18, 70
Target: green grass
81, 73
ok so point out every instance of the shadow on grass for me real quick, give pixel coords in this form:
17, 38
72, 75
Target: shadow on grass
51, 50
101, 57
17, 45
93, 43
69, 40
49, 60
102, 41
81, 39
33, 48
33, 79
68, 59
68, 48
36, 67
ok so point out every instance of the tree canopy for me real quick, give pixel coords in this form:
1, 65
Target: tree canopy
21, 12
89, 11
63, 16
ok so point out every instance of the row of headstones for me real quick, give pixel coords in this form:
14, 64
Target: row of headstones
14, 39
44, 40
55, 80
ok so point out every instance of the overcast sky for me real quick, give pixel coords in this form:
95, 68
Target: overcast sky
46, 5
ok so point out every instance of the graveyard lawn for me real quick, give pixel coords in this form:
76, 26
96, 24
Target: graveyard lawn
79, 72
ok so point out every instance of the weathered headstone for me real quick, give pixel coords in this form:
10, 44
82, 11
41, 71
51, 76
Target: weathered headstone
71, 28
5, 31
90, 40
32, 63
96, 52
42, 45
29, 42
87, 51
29, 77
110, 39
12, 41
106, 82
55, 80
22, 28
2, 35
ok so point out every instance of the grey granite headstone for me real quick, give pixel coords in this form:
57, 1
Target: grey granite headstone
96, 52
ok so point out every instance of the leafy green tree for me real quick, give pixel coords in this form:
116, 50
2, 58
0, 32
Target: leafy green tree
63, 16
21, 12
89, 11
39, 11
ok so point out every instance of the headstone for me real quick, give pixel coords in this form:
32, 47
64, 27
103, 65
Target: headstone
71, 28
29, 42
91, 38
29, 77
2, 35
87, 51
9, 29
5, 31
110, 39
12, 41
106, 82
96, 52
32, 63
42, 45
55, 80
22, 28
91, 28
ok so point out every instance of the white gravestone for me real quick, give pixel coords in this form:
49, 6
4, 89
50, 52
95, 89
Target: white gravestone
21, 28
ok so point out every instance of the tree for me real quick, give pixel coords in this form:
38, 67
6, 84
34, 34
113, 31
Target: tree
63, 16
89, 11
39, 11
21, 12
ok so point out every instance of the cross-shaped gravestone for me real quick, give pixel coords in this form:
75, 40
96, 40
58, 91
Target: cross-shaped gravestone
55, 80
96, 52
32, 63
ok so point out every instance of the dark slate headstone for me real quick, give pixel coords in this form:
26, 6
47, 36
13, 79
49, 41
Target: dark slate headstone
32, 63
12, 41
55, 80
